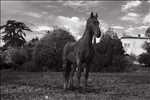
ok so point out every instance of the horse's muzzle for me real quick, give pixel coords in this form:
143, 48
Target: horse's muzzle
98, 35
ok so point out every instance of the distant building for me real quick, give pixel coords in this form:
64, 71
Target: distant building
134, 45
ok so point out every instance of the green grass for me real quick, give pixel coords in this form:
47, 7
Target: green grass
48, 86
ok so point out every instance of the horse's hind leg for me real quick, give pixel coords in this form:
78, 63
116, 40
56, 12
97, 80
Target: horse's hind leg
78, 73
67, 68
73, 67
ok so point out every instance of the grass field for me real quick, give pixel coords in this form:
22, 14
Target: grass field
48, 86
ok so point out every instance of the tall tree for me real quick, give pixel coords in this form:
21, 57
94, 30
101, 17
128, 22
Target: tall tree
147, 32
48, 51
109, 53
14, 33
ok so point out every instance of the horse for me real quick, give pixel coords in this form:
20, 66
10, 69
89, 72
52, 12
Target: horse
79, 53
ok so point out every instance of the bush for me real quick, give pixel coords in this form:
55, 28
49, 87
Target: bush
43, 55
145, 59
29, 66
19, 57
7, 55
48, 52
1, 60
119, 64
109, 55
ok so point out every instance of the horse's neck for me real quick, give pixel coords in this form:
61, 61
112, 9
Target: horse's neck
87, 37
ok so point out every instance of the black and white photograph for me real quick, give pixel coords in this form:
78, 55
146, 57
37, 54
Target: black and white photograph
75, 49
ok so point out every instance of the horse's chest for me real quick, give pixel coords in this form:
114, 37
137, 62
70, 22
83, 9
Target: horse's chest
87, 54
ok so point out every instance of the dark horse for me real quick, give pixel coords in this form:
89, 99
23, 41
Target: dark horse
77, 54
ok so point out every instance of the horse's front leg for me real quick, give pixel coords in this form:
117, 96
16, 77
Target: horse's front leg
86, 74
78, 74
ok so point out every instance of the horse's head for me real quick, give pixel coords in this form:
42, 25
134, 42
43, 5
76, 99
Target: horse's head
93, 24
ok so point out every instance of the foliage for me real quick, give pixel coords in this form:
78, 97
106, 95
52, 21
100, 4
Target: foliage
20, 56
29, 66
48, 52
14, 33
7, 54
145, 57
147, 46
32, 42
109, 54
147, 32
16, 57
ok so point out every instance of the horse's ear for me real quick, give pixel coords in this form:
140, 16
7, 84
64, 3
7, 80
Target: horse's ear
92, 15
96, 15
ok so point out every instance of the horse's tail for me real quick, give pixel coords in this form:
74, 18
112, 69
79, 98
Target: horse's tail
66, 63
64, 56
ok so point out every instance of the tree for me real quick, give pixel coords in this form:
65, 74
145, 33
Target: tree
14, 33
147, 32
32, 42
145, 57
146, 46
109, 54
48, 52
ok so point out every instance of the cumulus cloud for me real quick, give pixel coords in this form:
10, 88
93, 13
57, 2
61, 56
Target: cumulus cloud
135, 30
117, 27
33, 14
146, 19
74, 24
82, 6
132, 17
38, 31
143, 27
130, 5
130, 30
42, 28
81, 3
103, 26
133, 14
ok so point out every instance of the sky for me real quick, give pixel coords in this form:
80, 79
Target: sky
125, 17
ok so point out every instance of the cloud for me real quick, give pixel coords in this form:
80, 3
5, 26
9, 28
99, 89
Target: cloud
133, 14
81, 3
38, 31
134, 31
130, 30
146, 19
42, 28
143, 27
82, 6
74, 24
51, 6
132, 17
103, 26
148, 1
33, 14
44, 12
117, 27
130, 5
